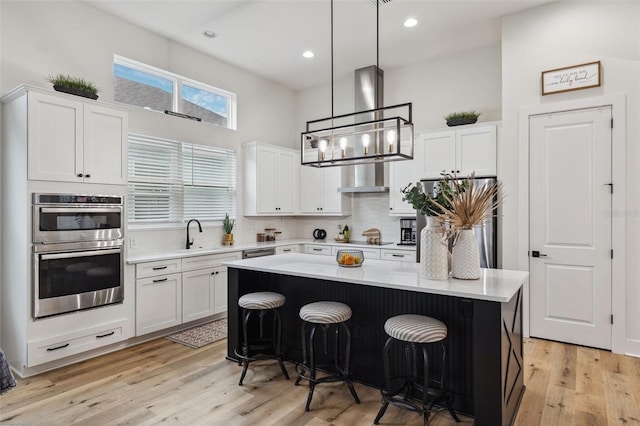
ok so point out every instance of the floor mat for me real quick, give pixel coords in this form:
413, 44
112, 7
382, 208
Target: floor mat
201, 335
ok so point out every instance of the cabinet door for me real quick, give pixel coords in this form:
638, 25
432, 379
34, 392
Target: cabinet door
55, 138
476, 151
438, 154
198, 294
286, 182
331, 199
220, 290
158, 303
310, 194
105, 145
267, 169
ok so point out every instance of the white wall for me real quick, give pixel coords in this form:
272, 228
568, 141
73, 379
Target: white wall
564, 34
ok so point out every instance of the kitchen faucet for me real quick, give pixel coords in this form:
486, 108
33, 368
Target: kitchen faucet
190, 241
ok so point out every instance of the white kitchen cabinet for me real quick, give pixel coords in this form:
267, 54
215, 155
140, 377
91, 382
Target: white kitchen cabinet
398, 255
321, 249
158, 303
291, 248
319, 190
270, 180
459, 151
72, 140
401, 174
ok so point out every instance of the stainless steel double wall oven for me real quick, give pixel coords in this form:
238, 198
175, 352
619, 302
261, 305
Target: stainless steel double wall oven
78, 257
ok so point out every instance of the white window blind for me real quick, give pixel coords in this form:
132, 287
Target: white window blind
171, 181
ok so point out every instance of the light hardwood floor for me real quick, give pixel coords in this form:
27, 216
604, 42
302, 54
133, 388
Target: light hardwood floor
165, 382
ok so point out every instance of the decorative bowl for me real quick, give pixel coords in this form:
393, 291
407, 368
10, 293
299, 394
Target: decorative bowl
350, 258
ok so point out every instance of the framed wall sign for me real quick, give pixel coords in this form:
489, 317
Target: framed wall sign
566, 79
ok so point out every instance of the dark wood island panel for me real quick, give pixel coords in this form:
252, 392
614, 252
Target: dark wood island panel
484, 343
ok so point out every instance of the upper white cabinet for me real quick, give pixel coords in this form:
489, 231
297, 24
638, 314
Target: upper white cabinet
72, 140
270, 179
401, 174
458, 151
319, 190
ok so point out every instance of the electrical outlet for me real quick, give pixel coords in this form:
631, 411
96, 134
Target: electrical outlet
132, 242
359, 331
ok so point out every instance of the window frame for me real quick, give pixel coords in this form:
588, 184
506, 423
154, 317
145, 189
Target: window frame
178, 81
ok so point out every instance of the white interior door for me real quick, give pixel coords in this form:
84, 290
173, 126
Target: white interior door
570, 226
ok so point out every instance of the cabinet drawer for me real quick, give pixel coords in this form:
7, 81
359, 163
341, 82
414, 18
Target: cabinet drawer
369, 253
208, 261
398, 255
292, 248
317, 249
160, 267
50, 349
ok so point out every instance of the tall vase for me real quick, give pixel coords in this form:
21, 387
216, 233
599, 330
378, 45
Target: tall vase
465, 257
434, 252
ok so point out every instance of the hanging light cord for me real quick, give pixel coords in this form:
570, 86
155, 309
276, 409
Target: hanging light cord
377, 50
332, 59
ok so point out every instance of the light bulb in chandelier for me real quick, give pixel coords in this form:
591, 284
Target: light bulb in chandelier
343, 146
391, 139
323, 147
366, 139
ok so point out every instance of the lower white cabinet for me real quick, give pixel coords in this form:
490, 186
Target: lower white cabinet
291, 248
158, 303
398, 255
197, 289
52, 348
204, 293
321, 249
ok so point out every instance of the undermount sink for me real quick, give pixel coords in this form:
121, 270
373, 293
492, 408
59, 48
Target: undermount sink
364, 243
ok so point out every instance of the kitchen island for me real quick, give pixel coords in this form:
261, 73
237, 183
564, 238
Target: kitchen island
484, 320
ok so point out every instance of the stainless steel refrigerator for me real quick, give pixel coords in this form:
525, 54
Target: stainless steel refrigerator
486, 234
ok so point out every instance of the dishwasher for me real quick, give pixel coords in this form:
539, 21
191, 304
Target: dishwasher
258, 252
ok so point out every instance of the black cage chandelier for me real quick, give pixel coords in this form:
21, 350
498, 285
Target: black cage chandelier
376, 135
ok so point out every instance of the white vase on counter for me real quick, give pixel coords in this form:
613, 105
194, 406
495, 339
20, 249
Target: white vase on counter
465, 256
434, 253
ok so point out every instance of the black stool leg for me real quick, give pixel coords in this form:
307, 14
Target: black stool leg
387, 380
449, 398
312, 373
278, 343
347, 363
425, 393
303, 333
245, 349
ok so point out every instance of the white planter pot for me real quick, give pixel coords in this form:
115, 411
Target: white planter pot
465, 256
434, 253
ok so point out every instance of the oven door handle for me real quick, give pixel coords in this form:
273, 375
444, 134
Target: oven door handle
78, 254
80, 209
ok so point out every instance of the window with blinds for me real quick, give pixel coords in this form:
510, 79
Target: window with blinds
171, 182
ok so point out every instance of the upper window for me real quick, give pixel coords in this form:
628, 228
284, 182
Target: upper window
152, 88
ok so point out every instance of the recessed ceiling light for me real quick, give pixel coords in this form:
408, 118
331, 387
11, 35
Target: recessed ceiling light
410, 22
209, 34
308, 54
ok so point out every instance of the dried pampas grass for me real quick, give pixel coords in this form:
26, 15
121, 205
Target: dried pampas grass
471, 206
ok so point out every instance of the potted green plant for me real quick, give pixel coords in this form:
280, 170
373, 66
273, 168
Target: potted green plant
74, 85
227, 224
459, 118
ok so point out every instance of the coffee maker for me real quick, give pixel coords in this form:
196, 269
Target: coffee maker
407, 232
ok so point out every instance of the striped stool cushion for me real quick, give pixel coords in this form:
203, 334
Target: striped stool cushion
325, 312
261, 300
415, 328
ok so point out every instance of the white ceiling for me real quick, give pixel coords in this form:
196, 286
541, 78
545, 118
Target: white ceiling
267, 37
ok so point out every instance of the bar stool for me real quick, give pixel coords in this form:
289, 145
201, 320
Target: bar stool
325, 315
261, 303
414, 332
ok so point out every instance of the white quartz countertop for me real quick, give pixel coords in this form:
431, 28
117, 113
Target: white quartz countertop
175, 253
498, 285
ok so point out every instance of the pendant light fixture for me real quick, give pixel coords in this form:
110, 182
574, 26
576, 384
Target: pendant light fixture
371, 136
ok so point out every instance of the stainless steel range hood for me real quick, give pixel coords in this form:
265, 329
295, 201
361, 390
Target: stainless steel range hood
368, 82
